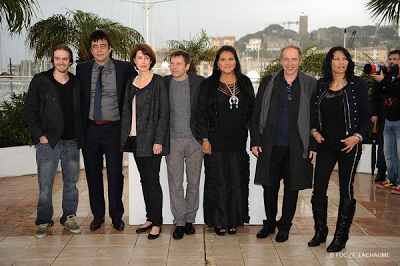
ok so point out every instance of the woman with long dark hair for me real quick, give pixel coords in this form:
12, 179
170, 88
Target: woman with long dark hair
145, 131
342, 122
223, 118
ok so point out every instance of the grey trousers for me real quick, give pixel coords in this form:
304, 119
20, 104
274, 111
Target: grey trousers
184, 207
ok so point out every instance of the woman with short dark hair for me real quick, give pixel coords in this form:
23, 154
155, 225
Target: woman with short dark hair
144, 131
342, 122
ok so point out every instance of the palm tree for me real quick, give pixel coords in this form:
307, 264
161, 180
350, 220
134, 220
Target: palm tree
388, 10
311, 63
17, 14
74, 29
199, 48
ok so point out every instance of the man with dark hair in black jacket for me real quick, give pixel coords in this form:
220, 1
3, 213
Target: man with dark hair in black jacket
52, 111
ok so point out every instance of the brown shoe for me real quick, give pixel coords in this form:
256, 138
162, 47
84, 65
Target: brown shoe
118, 224
96, 223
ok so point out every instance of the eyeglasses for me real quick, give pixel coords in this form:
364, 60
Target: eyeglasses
289, 91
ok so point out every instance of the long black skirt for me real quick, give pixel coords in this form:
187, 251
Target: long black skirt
226, 189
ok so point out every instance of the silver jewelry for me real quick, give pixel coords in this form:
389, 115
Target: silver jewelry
233, 99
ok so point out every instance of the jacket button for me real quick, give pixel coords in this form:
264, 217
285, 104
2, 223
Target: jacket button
355, 103
354, 97
355, 111
355, 126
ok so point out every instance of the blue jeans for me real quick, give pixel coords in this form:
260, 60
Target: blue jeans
47, 160
391, 135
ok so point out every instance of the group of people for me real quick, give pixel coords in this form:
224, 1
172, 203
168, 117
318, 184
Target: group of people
113, 106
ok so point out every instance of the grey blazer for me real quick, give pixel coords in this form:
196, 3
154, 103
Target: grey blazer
152, 116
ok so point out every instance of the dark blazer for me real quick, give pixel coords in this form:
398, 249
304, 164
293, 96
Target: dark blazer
194, 84
152, 116
356, 105
301, 170
123, 70
43, 110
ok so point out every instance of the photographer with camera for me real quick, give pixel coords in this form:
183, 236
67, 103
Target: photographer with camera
386, 113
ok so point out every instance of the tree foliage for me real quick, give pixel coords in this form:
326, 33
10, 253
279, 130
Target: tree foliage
311, 63
385, 10
199, 48
13, 129
73, 29
17, 14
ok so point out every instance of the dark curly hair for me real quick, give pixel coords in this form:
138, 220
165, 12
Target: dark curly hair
327, 66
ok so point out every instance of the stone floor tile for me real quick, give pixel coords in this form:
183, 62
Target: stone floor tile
114, 252
72, 262
223, 251
111, 261
186, 251
252, 239
300, 261
216, 261
154, 251
194, 239
189, 261
42, 253
33, 263
258, 251
79, 240
147, 262
119, 240
78, 252
295, 252
262, 262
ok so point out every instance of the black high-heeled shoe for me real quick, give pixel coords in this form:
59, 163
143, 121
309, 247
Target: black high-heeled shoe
218, 231
232, 230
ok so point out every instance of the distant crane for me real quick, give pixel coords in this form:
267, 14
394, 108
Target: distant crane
288, 23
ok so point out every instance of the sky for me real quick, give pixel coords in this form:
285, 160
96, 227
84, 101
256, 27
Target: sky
182, 19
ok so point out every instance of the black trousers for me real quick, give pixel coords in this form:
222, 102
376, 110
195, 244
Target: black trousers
104, 139
347, 163
149, 170
280, 167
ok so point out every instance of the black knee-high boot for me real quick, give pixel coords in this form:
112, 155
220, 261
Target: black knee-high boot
319, 208
347, 209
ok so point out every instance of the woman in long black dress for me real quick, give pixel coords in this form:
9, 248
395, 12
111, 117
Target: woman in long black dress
223, 117
342, 122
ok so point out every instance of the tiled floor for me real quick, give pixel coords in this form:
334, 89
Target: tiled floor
374, 237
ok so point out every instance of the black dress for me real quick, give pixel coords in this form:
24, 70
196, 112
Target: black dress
226, 188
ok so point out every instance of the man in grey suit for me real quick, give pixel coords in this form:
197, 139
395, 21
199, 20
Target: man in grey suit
183, 89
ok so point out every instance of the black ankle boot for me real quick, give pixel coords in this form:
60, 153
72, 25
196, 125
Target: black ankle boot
321, 230
347, 209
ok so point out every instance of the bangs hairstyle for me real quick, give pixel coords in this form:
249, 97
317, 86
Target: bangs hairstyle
65, 48
186, 56
146, 50
293, 47
99, 35
327, 66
